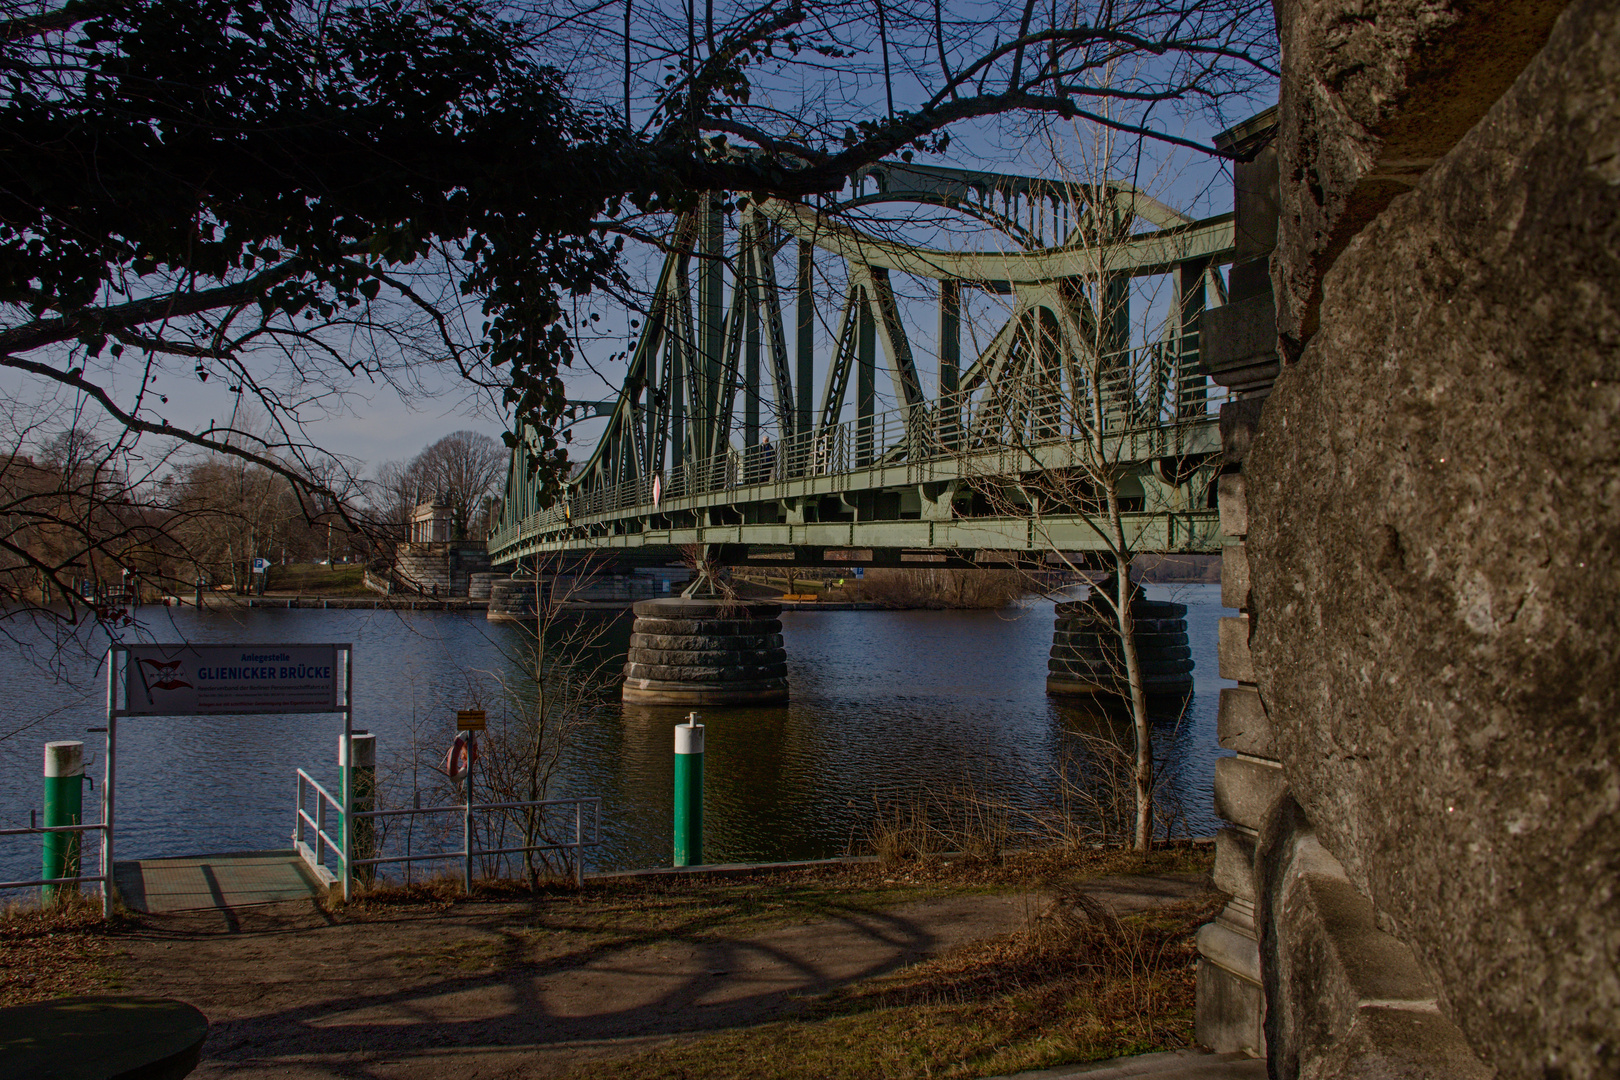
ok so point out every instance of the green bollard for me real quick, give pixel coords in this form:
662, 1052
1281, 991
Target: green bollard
363, 844
64, 805
689, 792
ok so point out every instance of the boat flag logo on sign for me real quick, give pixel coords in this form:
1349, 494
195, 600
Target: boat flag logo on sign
164, 676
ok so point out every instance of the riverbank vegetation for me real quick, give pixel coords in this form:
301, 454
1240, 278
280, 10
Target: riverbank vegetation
319, 579
938, 588
85, 528
839, 970
1079, 984
931, 589
1092, 808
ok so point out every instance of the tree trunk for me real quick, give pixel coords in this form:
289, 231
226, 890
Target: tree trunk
1133, 676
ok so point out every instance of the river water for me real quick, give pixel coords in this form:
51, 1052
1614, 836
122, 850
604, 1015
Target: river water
885, 704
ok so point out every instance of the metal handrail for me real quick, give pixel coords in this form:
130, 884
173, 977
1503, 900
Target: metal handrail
316, 856
36, 830
468, 852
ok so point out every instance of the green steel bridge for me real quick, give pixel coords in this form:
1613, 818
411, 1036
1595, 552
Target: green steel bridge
715, 438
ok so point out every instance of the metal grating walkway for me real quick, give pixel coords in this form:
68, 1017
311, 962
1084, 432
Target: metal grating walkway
199, 882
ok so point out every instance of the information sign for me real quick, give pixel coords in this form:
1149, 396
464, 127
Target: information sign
470, 720
261, 566
198, 680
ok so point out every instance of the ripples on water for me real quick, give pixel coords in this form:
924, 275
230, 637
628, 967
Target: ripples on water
884, 703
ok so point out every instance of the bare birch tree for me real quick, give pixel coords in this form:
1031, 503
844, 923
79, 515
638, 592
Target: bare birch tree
1061, 396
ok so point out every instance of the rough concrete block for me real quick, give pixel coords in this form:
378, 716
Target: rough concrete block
1246, 790
1229, 1011
1235, 576
1239, 335
1239, 424
1399, 1042
1234, 863
1444, 701
1236, 952
1372, 95
1241, 723
1337, 985
1234, 500
1233, 649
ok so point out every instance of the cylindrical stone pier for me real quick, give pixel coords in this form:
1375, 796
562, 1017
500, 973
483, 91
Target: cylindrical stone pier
1087, 658
706, 652
64, 806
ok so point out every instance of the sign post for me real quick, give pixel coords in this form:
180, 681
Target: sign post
469, 721
222, 680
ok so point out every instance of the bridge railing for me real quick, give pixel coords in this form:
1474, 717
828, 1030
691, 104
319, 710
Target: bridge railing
1142, 390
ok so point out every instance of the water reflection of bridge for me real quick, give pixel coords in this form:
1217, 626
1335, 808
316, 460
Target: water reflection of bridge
714, 439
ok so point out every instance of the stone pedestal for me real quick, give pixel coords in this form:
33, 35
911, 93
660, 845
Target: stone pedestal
1087, 658
706, 652
513, 600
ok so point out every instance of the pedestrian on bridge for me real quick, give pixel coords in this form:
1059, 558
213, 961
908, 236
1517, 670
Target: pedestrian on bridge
767, 460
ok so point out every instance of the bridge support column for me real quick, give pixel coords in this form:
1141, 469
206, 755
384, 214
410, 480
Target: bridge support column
1087, 659
706, 651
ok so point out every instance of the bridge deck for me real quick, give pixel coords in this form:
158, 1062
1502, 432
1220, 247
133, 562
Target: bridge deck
719, 505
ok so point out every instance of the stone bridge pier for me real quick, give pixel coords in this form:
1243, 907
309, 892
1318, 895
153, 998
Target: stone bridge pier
1422, 469
706, 651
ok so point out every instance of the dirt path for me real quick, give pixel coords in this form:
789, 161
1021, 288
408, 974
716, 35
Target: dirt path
509, 990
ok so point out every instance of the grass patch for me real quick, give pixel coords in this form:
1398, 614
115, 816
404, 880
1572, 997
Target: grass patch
342, 579
626, 912
634, 911
1078, 985
510, 926
62, 951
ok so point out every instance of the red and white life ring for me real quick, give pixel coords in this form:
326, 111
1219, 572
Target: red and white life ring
463, 753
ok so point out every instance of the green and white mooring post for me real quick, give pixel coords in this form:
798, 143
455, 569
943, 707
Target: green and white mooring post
689, 792
359, 779
64, 806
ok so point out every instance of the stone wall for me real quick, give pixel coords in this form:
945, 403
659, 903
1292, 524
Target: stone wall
440, 569
1426, 501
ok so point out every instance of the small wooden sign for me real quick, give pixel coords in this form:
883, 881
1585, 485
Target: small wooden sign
470, 720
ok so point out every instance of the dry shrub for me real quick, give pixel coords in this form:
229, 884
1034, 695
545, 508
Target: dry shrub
1077, 966
932, 823
1095, 808
1095, 789
939, 589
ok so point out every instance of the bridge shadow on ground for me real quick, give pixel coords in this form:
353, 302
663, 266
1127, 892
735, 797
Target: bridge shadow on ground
510, 989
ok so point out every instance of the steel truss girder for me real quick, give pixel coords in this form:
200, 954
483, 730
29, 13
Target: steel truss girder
1139, 255
680, 390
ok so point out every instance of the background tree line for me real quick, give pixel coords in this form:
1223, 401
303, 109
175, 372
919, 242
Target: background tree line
76, 516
